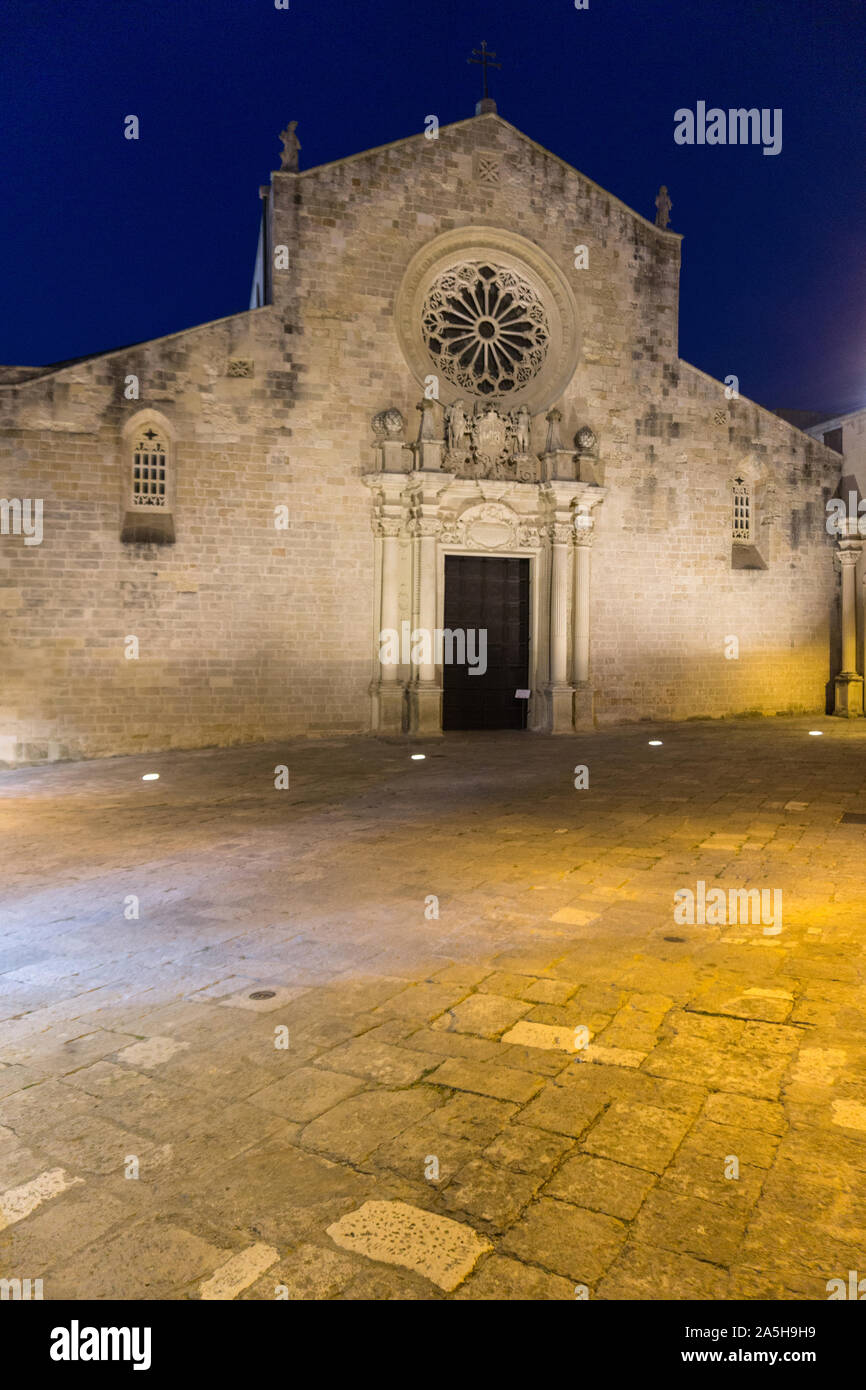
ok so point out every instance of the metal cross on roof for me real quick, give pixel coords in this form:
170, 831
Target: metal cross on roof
481, 58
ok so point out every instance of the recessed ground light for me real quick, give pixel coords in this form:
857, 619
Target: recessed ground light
150, 777
655, 743
263, 994
417, 757
816, 733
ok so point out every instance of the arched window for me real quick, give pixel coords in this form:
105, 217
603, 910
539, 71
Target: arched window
148, 482
149, 469
742, 511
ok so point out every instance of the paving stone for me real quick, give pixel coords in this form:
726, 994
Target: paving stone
482, 1192
563, 1110
487, 1015
543, 1036
690, 1226
641, 1136
527, 1150
601, 1185
475, 1118
353, 1129
18, 1202
421, 1002
307, 1273
442, 1250
410, 1154
575, 916
549, 991
701, 1031
612, 1056
743, 1112
149, 1260
438, 1042
485, 1079
58, 1229
150, 1053
231, 1278
502, 1279
749, 1145
306, 1093
565, 1239
647, 1273
376, 1060
506, 984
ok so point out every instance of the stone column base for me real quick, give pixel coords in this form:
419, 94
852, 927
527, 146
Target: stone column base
584, 707
849, 695
560, 705
425, 710
391, 701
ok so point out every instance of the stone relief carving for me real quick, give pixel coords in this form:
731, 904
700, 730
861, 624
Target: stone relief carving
490, 526
490, 444
240, 366
389, 424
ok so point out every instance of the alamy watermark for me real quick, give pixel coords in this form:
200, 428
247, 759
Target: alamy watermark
737, 907
441, 646
736, 126
21, 517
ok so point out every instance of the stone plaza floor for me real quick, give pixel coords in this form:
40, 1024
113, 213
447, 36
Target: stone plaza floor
551, 1089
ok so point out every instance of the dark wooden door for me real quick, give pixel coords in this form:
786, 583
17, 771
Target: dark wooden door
492, 593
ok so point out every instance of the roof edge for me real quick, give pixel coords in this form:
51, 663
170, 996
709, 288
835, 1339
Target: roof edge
53, 370
468, 120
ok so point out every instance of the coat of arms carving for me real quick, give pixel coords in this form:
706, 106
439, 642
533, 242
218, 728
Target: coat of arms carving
490, 444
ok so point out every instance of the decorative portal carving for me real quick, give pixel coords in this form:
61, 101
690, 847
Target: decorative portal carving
487, 526
490, 444
485, 328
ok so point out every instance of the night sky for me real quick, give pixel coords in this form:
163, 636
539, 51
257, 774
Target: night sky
107, 241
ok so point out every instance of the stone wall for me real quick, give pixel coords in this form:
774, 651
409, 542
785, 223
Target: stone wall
247, 632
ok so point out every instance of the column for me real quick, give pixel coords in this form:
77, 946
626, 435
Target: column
849, 684
390, 690
425, 691
583, 558
559, 691
389, 530
428, 530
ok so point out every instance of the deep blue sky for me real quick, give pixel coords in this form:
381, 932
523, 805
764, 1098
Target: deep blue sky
106, 241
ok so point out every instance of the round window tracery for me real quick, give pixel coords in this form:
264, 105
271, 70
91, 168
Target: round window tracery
485, 328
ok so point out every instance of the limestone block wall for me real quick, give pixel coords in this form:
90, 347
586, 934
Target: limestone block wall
247, 632
665, 593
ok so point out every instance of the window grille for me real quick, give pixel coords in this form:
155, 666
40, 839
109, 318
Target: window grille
742, 511
149, 471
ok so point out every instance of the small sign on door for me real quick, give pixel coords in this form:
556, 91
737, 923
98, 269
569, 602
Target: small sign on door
521, 694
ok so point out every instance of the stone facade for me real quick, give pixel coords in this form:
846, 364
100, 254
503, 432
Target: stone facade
259, 619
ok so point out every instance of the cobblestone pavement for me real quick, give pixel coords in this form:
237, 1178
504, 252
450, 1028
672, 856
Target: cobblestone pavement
411, 1110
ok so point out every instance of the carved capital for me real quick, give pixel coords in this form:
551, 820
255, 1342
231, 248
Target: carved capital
848, 554
560, 533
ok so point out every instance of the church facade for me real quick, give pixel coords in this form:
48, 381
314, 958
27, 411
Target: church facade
454, 407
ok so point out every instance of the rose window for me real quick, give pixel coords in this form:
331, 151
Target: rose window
485, 328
